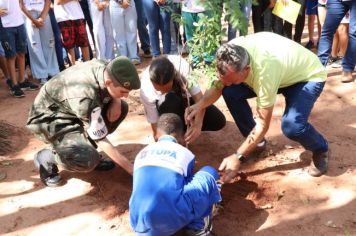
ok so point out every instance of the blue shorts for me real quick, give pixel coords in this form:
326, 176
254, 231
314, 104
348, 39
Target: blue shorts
13, 40
312, 7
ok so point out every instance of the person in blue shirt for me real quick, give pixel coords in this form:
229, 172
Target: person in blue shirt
167, 196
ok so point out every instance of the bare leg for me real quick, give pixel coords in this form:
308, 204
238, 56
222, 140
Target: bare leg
71, 56
3, 67
343, 31
12, 70
21, 64
335, 46
311, 20
85, 53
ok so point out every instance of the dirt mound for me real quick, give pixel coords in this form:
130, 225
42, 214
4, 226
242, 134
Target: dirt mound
12, 138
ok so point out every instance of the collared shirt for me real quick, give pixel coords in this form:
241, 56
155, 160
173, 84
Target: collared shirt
150, 97
67, 102
166, 196
277, 62
161, 170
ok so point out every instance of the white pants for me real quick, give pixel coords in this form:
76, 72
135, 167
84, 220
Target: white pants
41, 48
124, 22
103, 32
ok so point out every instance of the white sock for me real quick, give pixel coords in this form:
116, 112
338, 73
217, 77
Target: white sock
262, 143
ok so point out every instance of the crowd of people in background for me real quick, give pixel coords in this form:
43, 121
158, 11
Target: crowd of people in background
75, 111
49, 35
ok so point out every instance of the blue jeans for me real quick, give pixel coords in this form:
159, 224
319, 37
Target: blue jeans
141, 27
246, 10
300, 99
13, 40
336, 11
158, 20
124, 23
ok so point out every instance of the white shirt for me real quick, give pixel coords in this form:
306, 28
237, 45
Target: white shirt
149, 95
34, 5
193, 6
68, 11
167, 154
14, 17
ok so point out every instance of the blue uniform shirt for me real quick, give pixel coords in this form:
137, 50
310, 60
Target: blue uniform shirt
166, 196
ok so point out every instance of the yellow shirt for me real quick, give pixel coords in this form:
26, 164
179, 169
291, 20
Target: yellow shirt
277, 62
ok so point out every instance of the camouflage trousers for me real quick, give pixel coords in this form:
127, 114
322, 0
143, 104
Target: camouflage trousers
76, 151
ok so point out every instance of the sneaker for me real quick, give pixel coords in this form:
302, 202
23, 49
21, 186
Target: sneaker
27, 85
319, 164
9, 84
208, 227
332, 60
105, 165
135, 62
147, 54
45, 163
43, 81
62, 68
17, 92
310, 45
337, 63
259, 149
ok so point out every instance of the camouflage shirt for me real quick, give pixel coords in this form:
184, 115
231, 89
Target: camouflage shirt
64, 104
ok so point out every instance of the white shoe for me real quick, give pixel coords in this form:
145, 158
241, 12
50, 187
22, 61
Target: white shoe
43, 81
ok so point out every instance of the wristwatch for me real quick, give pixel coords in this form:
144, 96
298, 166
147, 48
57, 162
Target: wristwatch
241, 157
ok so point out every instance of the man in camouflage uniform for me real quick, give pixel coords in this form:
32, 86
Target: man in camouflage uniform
75, 111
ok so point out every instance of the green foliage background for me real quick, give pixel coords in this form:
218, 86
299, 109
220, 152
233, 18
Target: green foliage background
209, 34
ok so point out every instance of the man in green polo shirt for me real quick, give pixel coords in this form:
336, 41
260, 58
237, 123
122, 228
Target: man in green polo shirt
262, 65
75, 111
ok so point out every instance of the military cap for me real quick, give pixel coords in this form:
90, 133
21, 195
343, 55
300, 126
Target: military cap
124, 72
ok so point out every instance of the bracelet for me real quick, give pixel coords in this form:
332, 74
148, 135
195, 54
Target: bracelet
241, 157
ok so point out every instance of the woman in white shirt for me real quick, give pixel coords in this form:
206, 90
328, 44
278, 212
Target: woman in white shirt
40, 39
163, 90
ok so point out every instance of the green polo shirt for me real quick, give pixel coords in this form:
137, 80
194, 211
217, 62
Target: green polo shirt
277, 62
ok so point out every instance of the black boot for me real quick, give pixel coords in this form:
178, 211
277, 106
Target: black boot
319, 164
105, 165
45, 163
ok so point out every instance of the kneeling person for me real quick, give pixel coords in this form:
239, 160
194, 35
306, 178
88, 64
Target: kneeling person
76, 110
166, 88
166, 195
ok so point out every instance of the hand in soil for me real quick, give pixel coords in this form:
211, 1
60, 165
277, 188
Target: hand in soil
230, 167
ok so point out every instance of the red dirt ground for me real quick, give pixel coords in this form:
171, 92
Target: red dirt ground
277, 198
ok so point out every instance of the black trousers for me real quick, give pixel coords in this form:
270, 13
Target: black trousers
264, 20
214, 119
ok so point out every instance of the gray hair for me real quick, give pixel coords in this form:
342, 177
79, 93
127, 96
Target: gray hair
231, 55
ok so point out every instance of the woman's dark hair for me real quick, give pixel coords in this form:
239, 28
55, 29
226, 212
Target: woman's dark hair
162, 71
